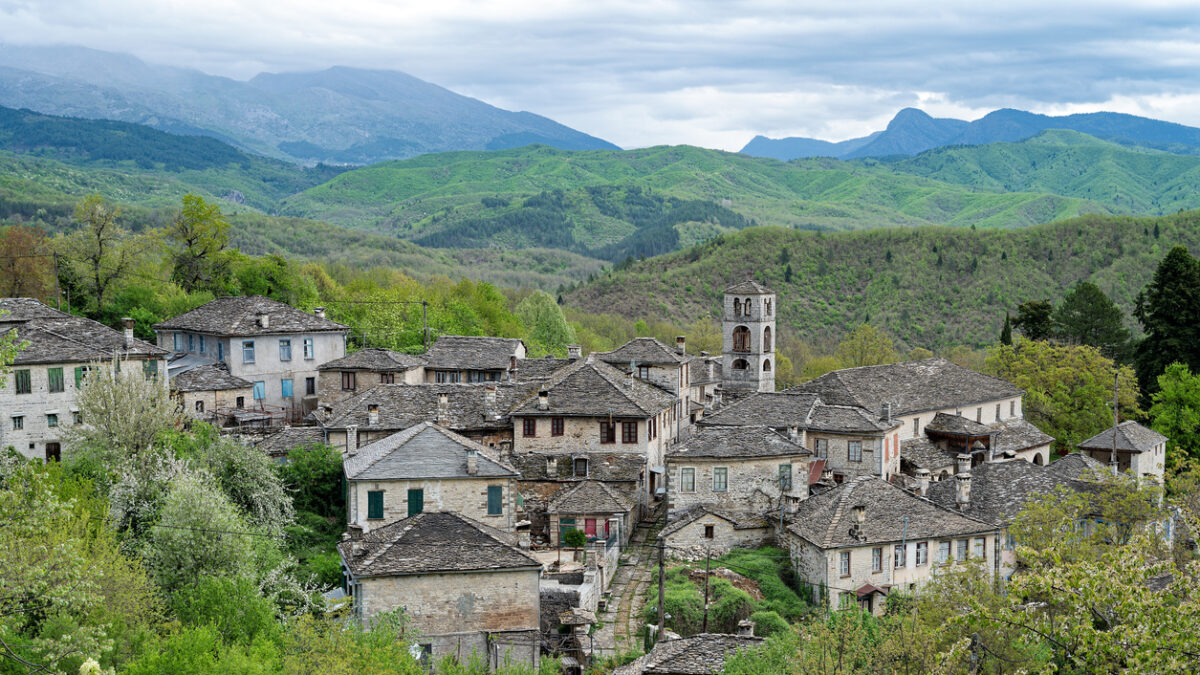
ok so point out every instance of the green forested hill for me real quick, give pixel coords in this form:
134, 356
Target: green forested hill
1126, 179
930, 287
582, 198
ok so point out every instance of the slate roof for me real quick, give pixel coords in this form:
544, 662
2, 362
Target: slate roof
914, 386
238, 316
847, 419
1131, 437
1076, 465
57, 337
748, 286
603, 465
643, 350
375, 360
1017, 434
739, 520
468, 352
423, 451
589, 496
208, 377
404, 405
735, 442
957, 424
925, 454
1000, 490
766, 409
698, 371
290, 438
592, 388
539, 370
702, 654
432, 542
827, 520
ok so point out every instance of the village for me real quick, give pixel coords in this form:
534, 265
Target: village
517, 507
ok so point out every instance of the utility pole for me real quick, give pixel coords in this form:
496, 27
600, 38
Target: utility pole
425, 324
707, 560
661, 587
1112, 459
57, 287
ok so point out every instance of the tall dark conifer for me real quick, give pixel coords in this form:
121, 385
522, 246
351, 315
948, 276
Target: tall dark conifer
1006, 332
1169, 311
1088, 317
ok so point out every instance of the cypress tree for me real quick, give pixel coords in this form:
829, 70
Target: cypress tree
1169, 311
1006, 332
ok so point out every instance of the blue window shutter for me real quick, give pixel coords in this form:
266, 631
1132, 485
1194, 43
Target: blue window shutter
287, 388
260, 390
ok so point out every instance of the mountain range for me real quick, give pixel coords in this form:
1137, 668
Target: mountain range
913, 131
340, 115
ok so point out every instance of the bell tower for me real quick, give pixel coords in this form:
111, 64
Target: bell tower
748, 330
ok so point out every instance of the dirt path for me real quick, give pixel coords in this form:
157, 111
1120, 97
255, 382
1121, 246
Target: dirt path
623, 620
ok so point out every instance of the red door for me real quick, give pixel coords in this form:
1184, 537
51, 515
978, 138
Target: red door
589, 527
607, 532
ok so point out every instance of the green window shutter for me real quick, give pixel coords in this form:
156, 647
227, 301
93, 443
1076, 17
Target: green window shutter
416, 502
495, 500
55, 378
375, 504
23, 381
78, 376
150, 368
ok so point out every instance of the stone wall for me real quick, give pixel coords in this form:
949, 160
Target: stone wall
465, 496
689, 542
454, 604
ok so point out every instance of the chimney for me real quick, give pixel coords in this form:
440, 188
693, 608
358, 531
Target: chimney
886, 413
962, 483
489, 402
681, 344
964, 463
923, 482
264, 320
543, 400
443, 409
745, 628
372, 414
356, 549
860, 515
794, 434
711, 366
351, 439
472, 462
319, 312
128, 324
512, 368
574, 352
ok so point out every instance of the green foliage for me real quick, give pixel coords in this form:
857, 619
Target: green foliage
1175, 411
1068, 388
1006, 332
574, 538
199, 237
1087, 316
313, 476
548, 329
865, 346
1035, 319
231, 605
1169, 311
768, 623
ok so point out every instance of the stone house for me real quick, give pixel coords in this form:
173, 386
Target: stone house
275, 346
704, 378
206, 388
1138, 449
427, 467
453, 359
462, 585
749, 469
595, 507
702, 654
947, 436
279, 442
38, 398
342, 378
848, 440
667, 368
854, 543
479, 412
591, 407
705, 529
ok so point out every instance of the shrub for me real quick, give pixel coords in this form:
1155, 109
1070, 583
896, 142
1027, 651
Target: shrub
767, 623
231, 605
575, 538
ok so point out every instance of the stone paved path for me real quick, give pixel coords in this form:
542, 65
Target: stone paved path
623, 618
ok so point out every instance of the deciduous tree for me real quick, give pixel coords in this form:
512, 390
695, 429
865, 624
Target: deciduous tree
866, 346
1175, 412
199, 238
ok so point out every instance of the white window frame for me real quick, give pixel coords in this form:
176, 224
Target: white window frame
854, 451
877, 559
687, 479
309, 350
844, 563
899, 556
723, 472
821, 448
285, 345
248, 350
943, 552
922, 554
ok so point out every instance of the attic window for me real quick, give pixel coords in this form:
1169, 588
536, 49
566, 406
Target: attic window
644, 372
708, 531
581, 467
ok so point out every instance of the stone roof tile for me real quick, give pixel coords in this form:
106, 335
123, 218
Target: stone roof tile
57, 337
208, 377
1000, 490
469, 352
734, 442
1131, 437
468, 406
374, 360
432, 542
592, 388
589, 496
642, 351
702, 654
425, 451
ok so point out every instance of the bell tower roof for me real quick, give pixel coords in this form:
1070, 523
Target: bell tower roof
748, 287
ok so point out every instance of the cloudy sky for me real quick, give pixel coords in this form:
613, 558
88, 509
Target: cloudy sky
714, 74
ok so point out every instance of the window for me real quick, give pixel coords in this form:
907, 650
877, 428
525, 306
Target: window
77, 418
556, 426
24, 382
80, 374
375, 504
387, 378
767, 339
529, 427
943, 552
178, 341
51, 420
416, 501
877, 560
309, 352
844, 563
822, 447
608, 432
651, 428
248, 351
310, 386
709, 531
997, 412
766, 365
629, 432
854, 449
240, 402
201, 344
980, 548
285, 349
55, 376
199, 406
766, 307
150, 369
741, 339
740, 364
720, 479
960, 553
979, 414
349, 380
221, 352
495, 500
916, 427
18, 422
737, 306
785, 476
687, 479
580, 467
191, 342
1012, 408
260, 390
899, 556
922, 553
644, 372
285, 388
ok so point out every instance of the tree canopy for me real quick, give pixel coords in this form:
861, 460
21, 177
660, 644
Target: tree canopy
1169, 311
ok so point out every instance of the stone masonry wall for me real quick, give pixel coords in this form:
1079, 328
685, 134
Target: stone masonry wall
467, 497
